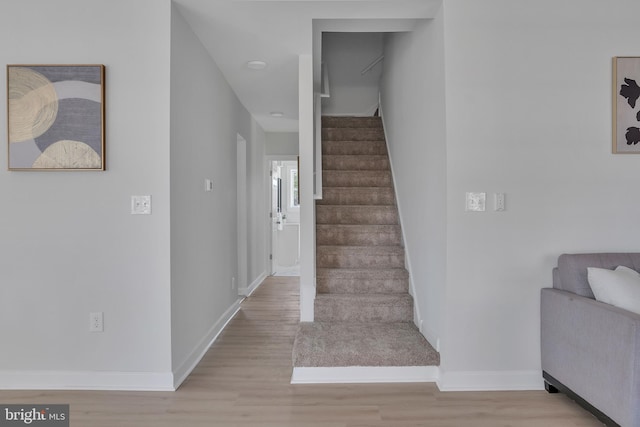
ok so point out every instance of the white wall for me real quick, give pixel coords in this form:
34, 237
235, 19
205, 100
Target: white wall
345, 56
258, 211
69, 245
412, 100
206, 118
282, 143
528, 90
527, 113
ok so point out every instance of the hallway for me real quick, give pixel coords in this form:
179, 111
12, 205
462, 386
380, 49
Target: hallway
243, 381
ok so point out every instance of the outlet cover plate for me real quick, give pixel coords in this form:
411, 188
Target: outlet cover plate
140, 205
96, 322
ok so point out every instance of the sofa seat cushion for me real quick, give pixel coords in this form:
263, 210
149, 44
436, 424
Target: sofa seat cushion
619, 287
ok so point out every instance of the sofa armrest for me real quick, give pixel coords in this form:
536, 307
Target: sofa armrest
593, 349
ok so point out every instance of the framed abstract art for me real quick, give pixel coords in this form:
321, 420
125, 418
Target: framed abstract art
55, 117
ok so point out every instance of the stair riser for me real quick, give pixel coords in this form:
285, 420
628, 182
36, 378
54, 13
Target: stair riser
351, 122
355, 163
356, 215
357, 260
358, 286
365, 148
344, 311
352, 134
356, 179
339, 236
357, 196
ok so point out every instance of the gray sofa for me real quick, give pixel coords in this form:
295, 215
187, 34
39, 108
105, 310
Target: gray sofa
591, 350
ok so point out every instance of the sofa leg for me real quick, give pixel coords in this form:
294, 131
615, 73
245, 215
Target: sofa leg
550, 388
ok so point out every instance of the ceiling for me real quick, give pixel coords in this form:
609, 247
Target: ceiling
276, 32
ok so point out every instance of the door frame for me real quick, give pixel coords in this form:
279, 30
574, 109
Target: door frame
241, 213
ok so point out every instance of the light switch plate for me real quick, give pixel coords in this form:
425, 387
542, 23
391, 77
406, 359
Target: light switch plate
140, 205
476, 202
499, 202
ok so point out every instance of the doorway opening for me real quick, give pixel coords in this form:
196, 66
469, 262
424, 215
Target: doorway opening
285, 218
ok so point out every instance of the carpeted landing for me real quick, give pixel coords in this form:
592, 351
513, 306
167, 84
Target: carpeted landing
363, 310
327, 344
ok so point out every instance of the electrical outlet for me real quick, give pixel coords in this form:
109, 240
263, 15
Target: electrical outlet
233, 283
96, 322
140, 205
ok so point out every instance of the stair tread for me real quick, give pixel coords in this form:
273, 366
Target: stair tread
364, 307
370, 249
357, 142
358, 228
358, 234
329, 344
356, 214
348, 121
362, 189
356, 179
365, 227
378, 298
355, 162
352, 133
354, 128
356, 199
362, 281
359, 206
371, 147
359, 156
387, 273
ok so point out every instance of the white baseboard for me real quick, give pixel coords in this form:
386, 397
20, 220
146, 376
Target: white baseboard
199, 351
253, 286
490, 380
75, 380
365, 374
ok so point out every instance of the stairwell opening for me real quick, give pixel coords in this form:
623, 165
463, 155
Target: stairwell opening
363, 310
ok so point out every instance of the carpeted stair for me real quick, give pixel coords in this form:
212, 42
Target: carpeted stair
363, 311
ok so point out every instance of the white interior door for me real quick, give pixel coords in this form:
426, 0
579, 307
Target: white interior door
285, 218
275, 209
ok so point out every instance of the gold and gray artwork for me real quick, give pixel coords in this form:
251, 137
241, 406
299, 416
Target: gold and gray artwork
56, 117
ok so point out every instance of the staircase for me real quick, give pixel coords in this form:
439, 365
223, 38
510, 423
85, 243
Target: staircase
363, 311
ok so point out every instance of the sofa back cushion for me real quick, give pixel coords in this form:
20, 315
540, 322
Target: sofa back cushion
571, 273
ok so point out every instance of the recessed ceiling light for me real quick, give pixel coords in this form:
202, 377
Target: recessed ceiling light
277, 114
256, 65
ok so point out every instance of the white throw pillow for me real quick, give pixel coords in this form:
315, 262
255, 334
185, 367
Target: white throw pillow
624, 269
619, 287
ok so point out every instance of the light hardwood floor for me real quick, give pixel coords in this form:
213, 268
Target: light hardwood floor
243, 380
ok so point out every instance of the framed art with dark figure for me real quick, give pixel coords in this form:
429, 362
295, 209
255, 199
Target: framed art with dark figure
626, 104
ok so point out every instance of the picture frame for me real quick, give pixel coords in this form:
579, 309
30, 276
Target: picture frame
626, 105
56, 117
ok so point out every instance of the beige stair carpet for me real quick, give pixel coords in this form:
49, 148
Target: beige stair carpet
363, 311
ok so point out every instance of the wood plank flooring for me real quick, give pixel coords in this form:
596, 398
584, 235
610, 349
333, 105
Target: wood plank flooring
243, 381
